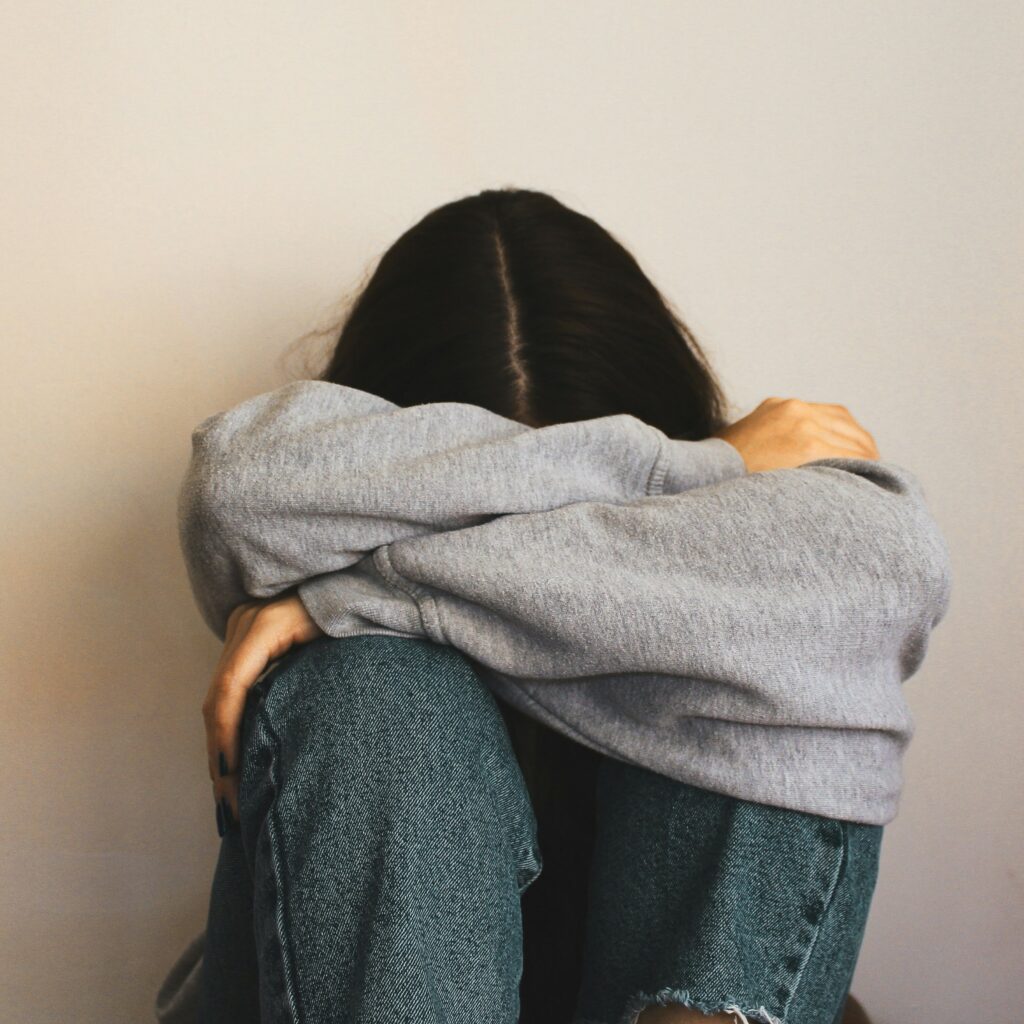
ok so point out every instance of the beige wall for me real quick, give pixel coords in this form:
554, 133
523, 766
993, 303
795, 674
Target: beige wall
829, 191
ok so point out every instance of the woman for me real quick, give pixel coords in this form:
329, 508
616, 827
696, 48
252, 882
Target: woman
552, 699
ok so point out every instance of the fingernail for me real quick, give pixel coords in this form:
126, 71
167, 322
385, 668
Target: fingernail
229, 818
220, 821
222, 762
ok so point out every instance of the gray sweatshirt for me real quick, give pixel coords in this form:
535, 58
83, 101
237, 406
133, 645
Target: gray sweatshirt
748, 633
743, 632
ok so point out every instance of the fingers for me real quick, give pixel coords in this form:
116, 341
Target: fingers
847, 443
834, 427
838, 450
257, 632
843, 423
218, 764
783, 432
241, 664
244, 611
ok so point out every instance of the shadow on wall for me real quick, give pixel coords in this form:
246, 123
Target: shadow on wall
108, 865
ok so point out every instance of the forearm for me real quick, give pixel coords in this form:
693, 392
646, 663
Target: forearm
803, 596
310, 477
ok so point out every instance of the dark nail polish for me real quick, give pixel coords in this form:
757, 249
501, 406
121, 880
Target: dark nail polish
220, 821
229, 818
222, 762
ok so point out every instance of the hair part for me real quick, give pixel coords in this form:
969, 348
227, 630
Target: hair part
510, 300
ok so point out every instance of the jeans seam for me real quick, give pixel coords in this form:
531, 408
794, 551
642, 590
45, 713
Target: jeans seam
837, 874
528, 856
271, 825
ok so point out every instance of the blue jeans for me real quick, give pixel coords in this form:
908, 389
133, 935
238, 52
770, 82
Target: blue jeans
387, 867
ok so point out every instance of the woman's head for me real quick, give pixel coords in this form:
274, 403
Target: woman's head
510, 300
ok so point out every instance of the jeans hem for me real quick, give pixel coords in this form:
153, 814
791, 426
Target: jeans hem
683, 997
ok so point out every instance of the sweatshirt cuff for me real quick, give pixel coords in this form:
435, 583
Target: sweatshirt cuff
359, 599
687, 464
324, 600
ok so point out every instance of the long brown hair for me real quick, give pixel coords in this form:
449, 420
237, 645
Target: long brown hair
510, 300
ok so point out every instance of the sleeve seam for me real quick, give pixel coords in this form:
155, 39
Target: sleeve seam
306, 591
659, 468
425, 603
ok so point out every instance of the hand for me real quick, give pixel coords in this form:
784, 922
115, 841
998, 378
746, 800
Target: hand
785, 432
257, 633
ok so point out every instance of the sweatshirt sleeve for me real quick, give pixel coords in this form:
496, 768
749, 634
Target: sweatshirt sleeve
799, 596
309, 478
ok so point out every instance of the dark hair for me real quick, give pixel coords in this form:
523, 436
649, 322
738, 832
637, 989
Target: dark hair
510, 300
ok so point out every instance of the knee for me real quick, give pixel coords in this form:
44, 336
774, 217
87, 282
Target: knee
375, 698
399, 733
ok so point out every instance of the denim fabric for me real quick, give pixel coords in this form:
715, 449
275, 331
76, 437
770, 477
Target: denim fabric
721, 903
388, 846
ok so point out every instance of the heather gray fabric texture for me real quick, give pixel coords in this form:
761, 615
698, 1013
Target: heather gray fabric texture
747, 633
